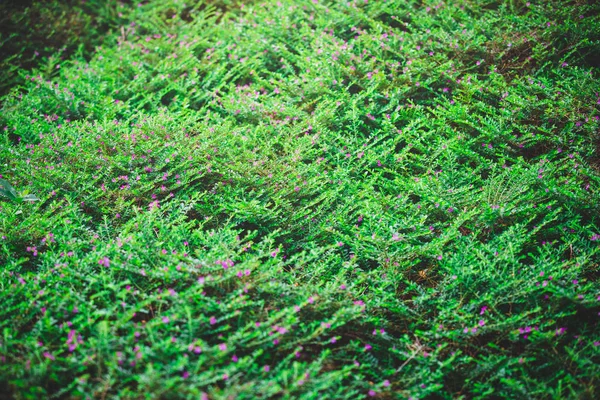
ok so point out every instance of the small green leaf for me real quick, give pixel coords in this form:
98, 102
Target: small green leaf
30, 197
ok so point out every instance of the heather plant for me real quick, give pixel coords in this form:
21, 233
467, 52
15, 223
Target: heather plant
307, 199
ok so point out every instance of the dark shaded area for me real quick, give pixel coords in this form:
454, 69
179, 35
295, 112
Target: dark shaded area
31, 31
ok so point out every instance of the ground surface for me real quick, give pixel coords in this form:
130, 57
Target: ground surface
300, 199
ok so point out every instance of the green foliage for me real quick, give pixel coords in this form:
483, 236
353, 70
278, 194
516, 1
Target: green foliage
306, 199
38, 34
9, 192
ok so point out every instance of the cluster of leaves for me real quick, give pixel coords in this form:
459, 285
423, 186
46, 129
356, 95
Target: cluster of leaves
36, 33
8, 192
313, 199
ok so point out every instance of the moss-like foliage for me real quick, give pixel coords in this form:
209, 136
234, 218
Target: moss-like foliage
304, 199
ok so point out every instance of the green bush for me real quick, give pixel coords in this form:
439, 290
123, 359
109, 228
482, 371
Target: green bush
307, 199
39, 34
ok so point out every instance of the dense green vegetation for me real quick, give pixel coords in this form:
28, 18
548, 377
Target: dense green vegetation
302, 199
33, 31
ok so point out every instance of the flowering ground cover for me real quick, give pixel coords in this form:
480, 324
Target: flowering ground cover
303, 199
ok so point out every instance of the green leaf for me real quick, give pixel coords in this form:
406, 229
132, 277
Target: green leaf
30, 197
8, 191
